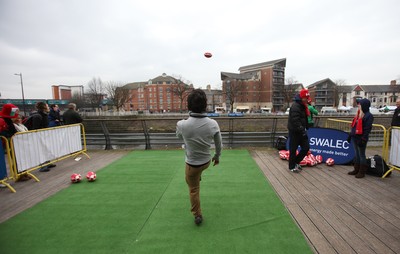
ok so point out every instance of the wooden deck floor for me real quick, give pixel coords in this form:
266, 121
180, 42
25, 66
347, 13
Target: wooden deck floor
337, 212
31, 192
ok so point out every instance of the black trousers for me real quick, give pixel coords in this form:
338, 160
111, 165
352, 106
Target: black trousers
296, 140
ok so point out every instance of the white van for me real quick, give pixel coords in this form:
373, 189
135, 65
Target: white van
328, 110
219, 110
266, 110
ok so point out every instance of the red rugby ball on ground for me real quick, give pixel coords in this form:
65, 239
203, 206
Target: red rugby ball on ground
330, 162
208, 54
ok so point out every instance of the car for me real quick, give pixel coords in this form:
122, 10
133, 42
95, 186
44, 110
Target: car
212, 114
235, 114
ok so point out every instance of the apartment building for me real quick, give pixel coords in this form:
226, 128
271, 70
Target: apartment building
322, 93
63, 92
160, 94
255, 86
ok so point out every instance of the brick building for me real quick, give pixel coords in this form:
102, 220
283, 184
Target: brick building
214, 98
62, 92
379, 95
160, 94
255, 86
322, 93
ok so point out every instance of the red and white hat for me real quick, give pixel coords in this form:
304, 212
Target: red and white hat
9, 111
304, 93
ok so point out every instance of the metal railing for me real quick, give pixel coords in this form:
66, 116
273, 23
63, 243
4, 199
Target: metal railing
149, 133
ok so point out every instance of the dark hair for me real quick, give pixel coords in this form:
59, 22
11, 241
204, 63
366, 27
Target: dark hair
41, 106
197, 101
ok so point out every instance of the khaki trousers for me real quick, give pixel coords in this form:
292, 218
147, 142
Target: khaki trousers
193, 177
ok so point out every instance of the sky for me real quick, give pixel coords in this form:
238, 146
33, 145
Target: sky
70, 42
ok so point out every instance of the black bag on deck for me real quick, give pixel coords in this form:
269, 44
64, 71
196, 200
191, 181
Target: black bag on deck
280, 143
377, 166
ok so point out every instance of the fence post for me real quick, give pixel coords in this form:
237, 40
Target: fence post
107, 136
230, 132
273, 131
146, 135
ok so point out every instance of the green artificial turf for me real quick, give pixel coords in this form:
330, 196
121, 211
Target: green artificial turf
140, 204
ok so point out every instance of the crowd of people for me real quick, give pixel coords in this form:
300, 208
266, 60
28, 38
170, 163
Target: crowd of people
12, 122
301, 118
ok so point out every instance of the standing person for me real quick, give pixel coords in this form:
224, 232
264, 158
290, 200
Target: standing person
313, 112
297, 126
19, 127
54, 116
396, 114
71, 116
8, 112
198, 132
360, 129
40, 120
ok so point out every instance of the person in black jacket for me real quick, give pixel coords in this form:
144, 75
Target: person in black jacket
360, 129
297, 126
71, 116
396, 115
40, 120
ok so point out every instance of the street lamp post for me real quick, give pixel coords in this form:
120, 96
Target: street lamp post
22, 88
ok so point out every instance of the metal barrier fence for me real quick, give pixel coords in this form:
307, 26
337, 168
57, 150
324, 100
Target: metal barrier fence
8, 174
158, 133
377, 136
393, 141
35, 149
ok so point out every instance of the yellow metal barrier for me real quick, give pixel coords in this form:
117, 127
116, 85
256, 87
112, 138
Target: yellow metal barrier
378, 133
11, 172
21, 140
388, 144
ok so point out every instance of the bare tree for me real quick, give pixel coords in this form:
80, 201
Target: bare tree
338, 91
289, 90
78, 99
118, 95
181, 90
95, 92
232, 90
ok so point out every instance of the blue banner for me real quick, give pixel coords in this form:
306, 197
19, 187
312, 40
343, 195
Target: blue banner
330, 143
3, 168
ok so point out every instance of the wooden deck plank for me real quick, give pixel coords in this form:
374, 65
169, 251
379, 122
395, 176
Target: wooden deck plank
350, 215
31, 192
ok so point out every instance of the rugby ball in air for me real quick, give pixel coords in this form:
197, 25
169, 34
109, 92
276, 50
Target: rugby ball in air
208, 54
76, 178
330, 162
91, 176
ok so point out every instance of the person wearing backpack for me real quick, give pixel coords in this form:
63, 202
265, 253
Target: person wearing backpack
359, 134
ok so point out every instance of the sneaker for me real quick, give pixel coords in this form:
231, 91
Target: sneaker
295, 170
44, 169
299, 167
198, 220
3, 185
52, 165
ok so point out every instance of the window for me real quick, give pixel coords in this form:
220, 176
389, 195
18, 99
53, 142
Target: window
357, 92
366, 94
385, 100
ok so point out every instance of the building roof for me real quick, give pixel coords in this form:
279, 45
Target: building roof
381, 88
134, 85
164, 78
320, 82
259, 66
239, 76
372, 88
